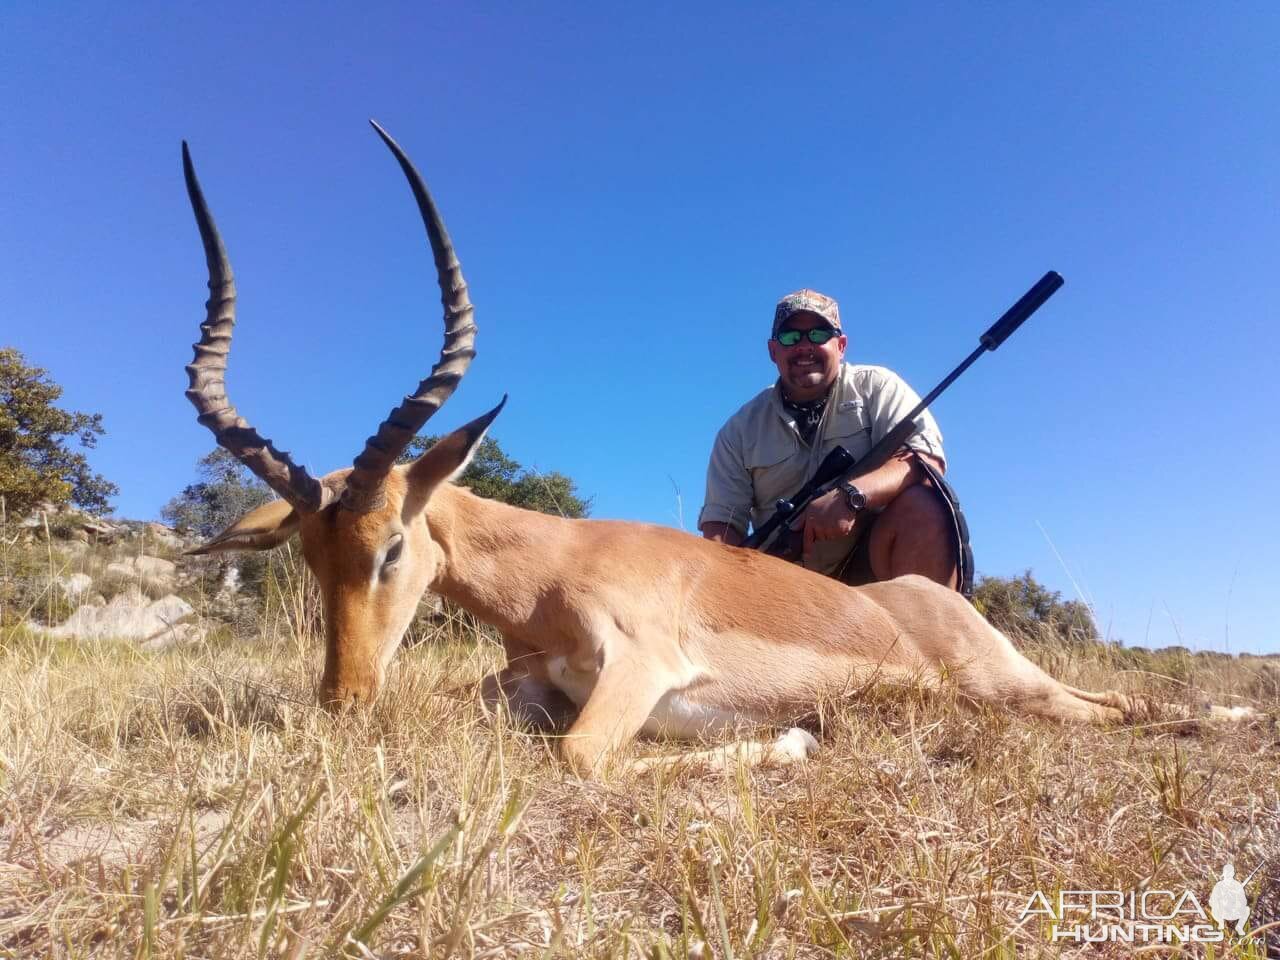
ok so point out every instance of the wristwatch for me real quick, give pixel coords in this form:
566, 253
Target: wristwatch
855, 498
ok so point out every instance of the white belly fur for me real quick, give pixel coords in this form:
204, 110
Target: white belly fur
675, 715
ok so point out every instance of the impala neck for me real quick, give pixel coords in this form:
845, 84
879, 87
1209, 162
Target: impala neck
498, 559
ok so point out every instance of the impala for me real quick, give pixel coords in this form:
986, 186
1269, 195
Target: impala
609, 628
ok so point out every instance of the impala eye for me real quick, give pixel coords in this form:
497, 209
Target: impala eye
393, 551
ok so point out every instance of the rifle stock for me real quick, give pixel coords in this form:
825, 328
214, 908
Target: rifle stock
833, 466
838, 465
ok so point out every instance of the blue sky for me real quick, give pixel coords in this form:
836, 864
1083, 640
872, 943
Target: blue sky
631, 187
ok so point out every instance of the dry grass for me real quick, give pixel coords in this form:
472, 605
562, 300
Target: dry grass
194, 803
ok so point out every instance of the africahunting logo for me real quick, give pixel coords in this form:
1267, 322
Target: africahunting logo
1150, 916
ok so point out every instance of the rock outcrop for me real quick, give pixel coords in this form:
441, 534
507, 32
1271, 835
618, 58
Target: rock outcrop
151, 573
131, 615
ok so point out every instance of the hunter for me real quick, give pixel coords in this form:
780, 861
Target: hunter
900, 518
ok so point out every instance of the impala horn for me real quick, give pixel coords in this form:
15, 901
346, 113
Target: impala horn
208, 389
364, 490
364, 486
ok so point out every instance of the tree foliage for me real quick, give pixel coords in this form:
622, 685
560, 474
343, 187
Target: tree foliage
36, 461
225, 491
493, 474
1017, 605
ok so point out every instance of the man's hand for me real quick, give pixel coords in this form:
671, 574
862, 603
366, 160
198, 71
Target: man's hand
827, 518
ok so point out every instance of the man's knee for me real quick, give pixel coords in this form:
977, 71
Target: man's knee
915, 533
918, 508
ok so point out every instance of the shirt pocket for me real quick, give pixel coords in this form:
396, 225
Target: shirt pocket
776, 469
769, 450
850, 427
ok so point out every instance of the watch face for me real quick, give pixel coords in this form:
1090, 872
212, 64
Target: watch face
856, 499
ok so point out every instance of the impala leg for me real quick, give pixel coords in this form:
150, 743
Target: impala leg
794, 746
1007, 678
624, 695
1025, 689
1141, 708
1060, 702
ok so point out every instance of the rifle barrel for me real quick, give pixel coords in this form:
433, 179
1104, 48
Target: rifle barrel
1029, 303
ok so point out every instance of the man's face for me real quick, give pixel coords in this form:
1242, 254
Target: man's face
807, 369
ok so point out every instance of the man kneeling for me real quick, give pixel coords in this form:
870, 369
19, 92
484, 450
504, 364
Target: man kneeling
900, 518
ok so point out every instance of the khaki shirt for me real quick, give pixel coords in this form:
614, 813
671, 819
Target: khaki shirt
759, 457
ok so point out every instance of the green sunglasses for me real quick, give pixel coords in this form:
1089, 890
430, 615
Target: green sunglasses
818, 335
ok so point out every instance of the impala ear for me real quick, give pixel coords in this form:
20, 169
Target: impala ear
450, 455
262, 528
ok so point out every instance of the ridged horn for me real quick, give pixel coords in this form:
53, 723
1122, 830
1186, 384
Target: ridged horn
364, 489
207, 371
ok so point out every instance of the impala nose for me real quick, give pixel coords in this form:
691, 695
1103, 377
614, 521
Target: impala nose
341, 693
338, 699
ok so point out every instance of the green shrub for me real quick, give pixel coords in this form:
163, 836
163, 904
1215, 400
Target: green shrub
1021, 606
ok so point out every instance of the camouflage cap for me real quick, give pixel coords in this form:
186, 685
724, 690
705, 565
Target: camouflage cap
806, 301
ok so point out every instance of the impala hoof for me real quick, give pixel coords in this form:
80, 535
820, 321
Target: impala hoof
795, 745
1234, 714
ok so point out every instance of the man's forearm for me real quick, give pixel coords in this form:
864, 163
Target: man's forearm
880, 487
722, 533
883, 484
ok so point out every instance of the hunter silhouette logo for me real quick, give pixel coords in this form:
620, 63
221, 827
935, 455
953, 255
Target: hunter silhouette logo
1228, 902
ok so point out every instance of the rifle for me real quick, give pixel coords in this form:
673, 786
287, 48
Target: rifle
839, 464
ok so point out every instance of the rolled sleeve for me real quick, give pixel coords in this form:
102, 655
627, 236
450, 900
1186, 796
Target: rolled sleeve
729, 496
